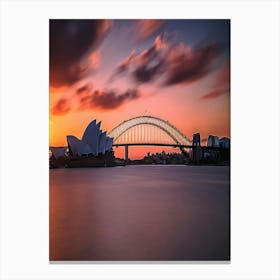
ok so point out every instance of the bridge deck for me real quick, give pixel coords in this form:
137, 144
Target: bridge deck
165, 145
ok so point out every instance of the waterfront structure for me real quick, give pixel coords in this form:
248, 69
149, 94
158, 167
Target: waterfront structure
196, 140
109, 143
58, 152
77, 147
91, 136
197, 151
94, 142
224, 143
153, 131
213, 141
102, 142
143, 130
148, 130
142, 122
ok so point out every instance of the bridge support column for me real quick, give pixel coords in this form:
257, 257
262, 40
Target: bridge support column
126, 152
196, 150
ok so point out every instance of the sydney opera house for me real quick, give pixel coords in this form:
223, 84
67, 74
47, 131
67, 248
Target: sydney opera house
94, 149
94, 142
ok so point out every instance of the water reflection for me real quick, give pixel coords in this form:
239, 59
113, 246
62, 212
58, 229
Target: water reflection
140, 213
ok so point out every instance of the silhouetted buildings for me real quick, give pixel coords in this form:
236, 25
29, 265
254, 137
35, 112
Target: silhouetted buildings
213, 141
161, 158
217, 151
224, 143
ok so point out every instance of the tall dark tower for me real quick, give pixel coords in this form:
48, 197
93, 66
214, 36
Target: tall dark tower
126, 153
197, 151
196, 140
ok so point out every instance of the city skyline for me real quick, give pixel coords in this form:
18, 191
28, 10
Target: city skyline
114, 70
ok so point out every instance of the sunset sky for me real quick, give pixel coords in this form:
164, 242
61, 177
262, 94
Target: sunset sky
113, 70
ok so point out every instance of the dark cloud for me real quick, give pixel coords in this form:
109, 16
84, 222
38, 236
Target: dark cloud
145, 66
149, 54
221, 83
214, 93
125, 64
185, 65
173, 64
145, 73
107, 100
70, 40
148, 27
61, 107
83, 89
148, 65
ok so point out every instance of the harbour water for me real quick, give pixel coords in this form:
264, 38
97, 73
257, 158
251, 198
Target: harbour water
140, 213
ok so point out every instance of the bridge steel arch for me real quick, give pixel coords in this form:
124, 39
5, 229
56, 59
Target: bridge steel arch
178, 137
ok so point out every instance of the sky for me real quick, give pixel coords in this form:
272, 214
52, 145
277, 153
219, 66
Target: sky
114, 70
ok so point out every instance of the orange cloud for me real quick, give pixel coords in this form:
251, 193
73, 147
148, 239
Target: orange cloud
176, 64
160, 43
145, 66
84, 89
104, 99
94, 59
148, 27
61, 107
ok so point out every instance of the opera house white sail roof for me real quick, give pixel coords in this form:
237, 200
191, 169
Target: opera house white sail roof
91, 136
94, 141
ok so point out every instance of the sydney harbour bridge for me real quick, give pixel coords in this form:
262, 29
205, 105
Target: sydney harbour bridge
151, 131
140, 131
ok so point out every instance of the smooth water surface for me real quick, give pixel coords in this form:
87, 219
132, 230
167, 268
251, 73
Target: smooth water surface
138, 213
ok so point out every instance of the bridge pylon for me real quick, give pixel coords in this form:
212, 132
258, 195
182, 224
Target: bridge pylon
126, 153
196, 150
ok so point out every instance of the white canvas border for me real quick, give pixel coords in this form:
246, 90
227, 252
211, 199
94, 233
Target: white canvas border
254, 132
